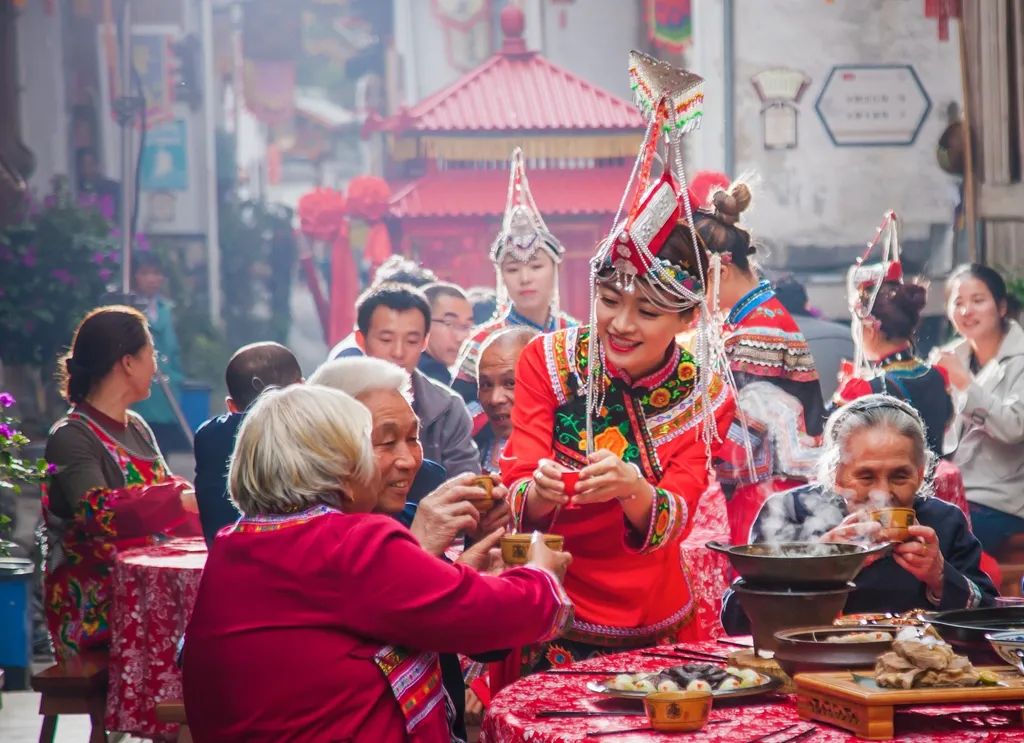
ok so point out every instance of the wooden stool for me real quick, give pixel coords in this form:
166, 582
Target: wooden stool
77, 686
173, 711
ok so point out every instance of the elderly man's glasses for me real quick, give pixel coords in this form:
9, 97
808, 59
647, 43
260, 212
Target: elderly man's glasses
460, 327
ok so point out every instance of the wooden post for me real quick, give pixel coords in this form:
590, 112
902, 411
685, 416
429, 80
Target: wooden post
969, 204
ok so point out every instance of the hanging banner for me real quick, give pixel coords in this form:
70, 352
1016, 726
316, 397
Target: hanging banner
165, 158
669, 24
150, 57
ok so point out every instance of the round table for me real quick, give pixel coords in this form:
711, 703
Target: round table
154, 591
512, 715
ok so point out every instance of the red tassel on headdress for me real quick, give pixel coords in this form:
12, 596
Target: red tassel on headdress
894, 272
703, 184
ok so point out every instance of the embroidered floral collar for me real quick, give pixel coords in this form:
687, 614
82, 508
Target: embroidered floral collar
515, 318
750, 302
648, 381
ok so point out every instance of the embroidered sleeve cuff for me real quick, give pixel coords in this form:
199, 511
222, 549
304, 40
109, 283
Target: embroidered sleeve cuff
563, 617
668, 515
959, 591
520, 521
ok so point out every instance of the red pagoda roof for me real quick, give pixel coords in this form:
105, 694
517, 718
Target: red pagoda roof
519, 90
481, 193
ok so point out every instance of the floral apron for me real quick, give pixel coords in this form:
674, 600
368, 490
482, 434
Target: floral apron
80, 551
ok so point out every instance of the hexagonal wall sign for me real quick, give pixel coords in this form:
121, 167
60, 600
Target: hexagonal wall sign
873, 105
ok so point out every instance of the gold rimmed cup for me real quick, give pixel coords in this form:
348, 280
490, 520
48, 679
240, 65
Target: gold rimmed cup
515, 548
679, 711
896, 522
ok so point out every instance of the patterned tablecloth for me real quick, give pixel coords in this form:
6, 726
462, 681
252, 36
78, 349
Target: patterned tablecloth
154, 591
747, 501
512, 716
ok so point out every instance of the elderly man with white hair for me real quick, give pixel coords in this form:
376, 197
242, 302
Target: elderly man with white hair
412, 488
338, 611
435, 511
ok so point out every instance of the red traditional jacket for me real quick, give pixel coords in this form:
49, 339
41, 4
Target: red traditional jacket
326, 626
628, 588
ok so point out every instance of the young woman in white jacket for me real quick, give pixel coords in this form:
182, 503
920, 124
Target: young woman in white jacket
986, 373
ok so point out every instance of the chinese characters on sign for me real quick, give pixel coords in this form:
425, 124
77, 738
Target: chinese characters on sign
873, 105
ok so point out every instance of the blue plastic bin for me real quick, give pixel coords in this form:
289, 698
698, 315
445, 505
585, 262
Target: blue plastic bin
16, 621
195, 402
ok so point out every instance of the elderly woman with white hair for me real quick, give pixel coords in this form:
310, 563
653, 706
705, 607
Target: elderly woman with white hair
317, 620
876, 455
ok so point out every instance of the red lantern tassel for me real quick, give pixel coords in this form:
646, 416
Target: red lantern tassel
344, 288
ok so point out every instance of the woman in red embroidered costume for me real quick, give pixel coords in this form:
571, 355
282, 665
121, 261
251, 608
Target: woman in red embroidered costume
112, 489
622, 403
338, 610
774, 446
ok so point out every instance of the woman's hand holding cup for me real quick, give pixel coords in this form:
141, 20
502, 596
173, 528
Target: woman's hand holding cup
544, 557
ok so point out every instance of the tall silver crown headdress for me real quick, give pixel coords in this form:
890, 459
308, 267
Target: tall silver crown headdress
671, 99
523, 230
865, 280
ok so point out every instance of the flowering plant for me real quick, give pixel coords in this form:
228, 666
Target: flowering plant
13, 469
55, 264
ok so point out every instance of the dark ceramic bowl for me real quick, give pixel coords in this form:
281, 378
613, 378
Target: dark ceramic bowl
807, 649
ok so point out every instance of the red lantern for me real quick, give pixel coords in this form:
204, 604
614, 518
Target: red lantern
369, 199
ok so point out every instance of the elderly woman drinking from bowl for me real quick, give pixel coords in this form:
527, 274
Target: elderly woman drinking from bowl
318, 620
876, 456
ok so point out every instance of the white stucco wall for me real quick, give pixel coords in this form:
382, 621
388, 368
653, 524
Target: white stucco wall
41, 77
818, 193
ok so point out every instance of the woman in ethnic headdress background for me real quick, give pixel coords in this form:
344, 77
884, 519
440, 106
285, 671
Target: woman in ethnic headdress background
774, 446
625, 405
885, 314
526, 257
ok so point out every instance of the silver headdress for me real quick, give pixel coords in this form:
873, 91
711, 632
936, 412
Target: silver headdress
671, 99
864, 281
523, 230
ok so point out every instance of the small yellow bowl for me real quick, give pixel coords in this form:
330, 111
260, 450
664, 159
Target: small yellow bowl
515, 548
895, 522
678, 710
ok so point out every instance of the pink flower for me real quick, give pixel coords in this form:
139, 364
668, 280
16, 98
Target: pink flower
51, 469
105, 273
6, 431
63, 276
6, 399
29, 258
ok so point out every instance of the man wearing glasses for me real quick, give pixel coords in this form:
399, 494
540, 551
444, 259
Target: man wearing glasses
451, 321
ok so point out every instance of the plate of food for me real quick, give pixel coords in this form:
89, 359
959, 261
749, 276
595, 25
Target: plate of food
726, 682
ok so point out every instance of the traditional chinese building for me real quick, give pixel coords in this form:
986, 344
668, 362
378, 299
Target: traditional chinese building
449, 158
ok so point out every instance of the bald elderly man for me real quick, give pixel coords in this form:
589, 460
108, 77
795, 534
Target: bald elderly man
496, 386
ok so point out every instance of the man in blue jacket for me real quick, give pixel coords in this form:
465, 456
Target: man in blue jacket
251, 370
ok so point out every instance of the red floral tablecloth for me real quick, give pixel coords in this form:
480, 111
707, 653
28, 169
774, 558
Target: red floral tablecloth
708, 573
512, 716
154, 591
747, 501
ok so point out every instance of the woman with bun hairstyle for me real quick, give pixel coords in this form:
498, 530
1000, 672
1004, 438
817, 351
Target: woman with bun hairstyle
986, 372
886, 312
110, 488
772, 445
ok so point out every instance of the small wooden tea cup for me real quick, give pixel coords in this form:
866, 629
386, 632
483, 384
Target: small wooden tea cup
483, 503
678, 710
515, 548
896, 522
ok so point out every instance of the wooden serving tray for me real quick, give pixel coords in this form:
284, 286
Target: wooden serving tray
866, 710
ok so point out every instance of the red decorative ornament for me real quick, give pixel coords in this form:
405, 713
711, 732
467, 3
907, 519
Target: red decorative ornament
369, 199
321, 214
